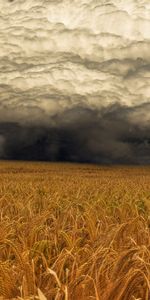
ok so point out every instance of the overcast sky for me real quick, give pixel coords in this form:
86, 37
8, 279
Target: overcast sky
75, 80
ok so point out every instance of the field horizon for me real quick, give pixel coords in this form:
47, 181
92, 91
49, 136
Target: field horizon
72, 231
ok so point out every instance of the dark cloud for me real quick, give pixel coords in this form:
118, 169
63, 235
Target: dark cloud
75, 80
83, 135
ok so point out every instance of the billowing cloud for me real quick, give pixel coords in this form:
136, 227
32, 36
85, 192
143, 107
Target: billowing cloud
77, 72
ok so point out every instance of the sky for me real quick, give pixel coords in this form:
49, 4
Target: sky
75, 80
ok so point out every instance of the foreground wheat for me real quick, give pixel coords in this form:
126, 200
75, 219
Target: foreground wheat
74, 232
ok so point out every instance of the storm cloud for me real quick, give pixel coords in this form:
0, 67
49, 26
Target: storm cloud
75, 80
111, 135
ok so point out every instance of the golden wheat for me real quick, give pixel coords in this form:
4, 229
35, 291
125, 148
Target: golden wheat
74, 232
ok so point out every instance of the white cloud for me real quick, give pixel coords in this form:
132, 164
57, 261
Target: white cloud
57, 54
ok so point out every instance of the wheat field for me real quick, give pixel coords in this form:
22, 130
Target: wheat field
74, 232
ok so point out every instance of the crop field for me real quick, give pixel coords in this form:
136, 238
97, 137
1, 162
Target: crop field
74, 232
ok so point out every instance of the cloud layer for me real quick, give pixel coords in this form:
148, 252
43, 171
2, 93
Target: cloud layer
75, 80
